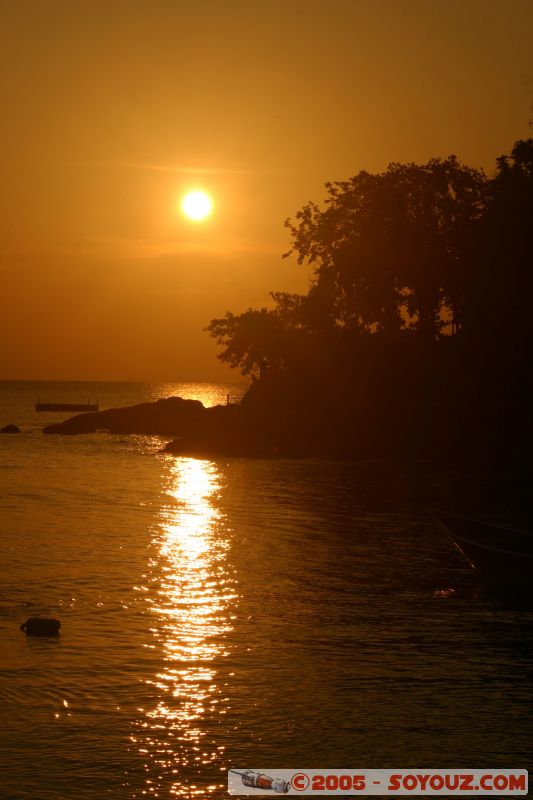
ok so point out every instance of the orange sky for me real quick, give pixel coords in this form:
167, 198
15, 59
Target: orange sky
112, 109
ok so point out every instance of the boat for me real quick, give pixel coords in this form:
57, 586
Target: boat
501, 554
88, 406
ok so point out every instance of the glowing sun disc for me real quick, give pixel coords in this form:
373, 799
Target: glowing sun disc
196, 205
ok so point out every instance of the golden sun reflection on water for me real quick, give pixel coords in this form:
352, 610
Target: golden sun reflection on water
192, 606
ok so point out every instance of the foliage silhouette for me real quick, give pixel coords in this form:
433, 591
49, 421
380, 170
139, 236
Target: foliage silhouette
414, 337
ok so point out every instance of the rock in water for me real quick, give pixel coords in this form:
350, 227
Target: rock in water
41, 626
170, 416
10, 429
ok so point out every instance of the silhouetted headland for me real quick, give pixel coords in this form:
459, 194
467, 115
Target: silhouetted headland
414, 340
224, 430
164, 417
292, 416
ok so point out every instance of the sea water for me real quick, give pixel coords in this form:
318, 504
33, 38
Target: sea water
223, 613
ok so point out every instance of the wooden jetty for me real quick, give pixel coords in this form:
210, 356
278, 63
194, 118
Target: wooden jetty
88, 406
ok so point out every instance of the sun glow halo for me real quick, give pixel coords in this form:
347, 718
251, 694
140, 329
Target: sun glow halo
197, 205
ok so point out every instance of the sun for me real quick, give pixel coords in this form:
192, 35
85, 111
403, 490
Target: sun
197, 205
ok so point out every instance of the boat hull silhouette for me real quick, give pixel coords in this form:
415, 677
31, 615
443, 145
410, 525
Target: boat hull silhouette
504, 555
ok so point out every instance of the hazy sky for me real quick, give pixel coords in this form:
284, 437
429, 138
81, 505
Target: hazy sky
112, 109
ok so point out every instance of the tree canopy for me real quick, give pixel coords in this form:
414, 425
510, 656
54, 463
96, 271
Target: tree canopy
388, 246
419, 250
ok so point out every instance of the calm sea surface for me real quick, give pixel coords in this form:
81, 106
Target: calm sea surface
244, 613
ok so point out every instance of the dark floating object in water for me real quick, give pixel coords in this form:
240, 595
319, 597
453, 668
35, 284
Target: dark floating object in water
88, 406
41, 626
10, 429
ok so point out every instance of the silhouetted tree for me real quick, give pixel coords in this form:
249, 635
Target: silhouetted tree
264, 338
388, 249
359, 364
505, 287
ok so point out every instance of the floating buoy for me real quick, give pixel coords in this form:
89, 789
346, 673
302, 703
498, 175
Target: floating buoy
41, 626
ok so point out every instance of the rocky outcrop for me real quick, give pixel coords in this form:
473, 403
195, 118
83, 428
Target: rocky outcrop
274, 419
223, 431
168, 417
286, 416
198, 431
393, 413
10, 429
